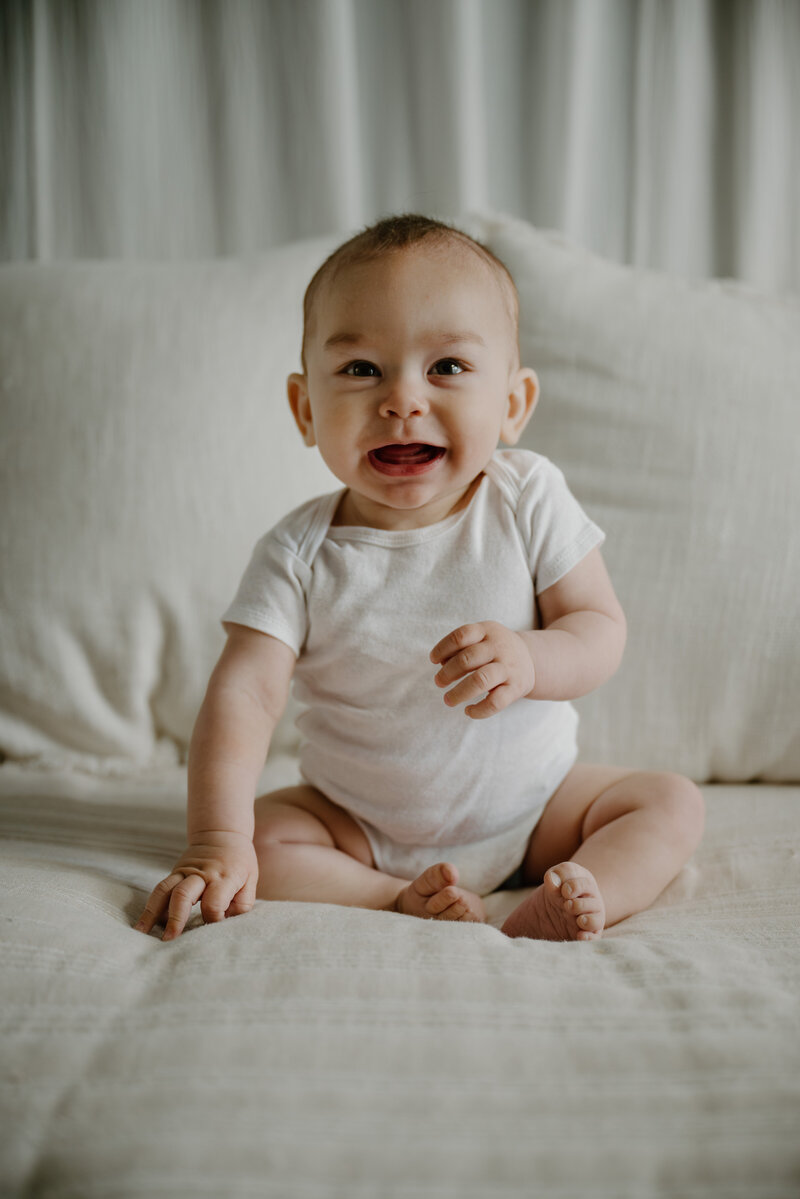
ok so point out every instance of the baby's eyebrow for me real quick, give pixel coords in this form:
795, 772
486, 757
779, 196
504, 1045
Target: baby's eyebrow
445, 338
449, 339
342, 339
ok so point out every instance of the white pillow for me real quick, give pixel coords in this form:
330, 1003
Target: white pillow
146, 444
674, 410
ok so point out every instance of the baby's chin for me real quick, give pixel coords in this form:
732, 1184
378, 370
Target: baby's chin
405, 503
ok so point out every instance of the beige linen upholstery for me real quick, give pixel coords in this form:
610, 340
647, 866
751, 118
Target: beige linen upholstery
308, 1050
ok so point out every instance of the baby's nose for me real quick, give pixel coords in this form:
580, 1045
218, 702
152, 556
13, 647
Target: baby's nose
404, 401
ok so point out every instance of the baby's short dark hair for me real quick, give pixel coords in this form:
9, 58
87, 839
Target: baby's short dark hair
393, 234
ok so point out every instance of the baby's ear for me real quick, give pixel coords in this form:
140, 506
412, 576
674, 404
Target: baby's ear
521, 402
297, 391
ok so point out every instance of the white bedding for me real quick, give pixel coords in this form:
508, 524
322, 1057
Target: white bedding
313, 1051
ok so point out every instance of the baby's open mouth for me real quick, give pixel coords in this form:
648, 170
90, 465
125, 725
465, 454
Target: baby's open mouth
412, 459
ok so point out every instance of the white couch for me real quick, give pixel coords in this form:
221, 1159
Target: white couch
312, 1051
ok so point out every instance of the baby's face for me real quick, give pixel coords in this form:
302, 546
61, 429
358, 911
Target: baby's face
412, 379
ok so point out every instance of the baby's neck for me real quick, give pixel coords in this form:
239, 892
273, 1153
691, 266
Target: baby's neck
355, 510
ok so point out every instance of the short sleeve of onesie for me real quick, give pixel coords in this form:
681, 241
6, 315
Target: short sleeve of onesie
272, 593
554, 528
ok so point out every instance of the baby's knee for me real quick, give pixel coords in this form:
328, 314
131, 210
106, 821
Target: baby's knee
277, 822
681, 802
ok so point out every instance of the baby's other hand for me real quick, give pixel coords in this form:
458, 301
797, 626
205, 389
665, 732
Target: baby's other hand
220, 869
491, 660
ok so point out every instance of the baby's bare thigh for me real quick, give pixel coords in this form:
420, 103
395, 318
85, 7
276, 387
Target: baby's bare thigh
560, 831
302, 814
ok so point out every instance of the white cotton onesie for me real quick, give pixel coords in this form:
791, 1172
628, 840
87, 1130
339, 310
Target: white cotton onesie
362, 608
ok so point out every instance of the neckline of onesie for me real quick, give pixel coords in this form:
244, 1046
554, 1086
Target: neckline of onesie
401, 537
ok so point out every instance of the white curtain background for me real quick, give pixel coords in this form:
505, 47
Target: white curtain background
657, 132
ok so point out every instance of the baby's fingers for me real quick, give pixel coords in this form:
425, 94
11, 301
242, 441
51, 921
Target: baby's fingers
460, 638
184, 896
494, 702
157, 903
244, 899
486, 678
216, 899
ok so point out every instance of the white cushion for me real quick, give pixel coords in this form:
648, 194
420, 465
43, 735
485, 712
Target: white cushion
147, 443
673, 408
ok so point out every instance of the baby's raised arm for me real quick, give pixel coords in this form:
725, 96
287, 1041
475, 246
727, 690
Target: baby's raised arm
577, 648
583, 633
245, 698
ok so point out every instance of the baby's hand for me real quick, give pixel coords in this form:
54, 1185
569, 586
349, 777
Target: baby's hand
489, 658
221, 870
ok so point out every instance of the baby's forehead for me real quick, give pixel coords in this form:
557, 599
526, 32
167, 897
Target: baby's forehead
360, 278
450, 254
342, 286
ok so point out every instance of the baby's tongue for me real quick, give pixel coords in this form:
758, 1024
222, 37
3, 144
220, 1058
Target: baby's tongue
416, 452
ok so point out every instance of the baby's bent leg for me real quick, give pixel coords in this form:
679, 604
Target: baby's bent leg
624, 833
309, 848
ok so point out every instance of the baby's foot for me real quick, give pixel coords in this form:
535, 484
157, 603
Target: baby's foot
567, 907
434, 896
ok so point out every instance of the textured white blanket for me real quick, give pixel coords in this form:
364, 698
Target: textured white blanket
315, 1052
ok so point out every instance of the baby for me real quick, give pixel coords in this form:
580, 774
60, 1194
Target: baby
437, 615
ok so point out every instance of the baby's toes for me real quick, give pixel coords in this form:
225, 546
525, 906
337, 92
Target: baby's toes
448, 897
590, 922
574, 890
583, 906
569, 881
454, 904
436, 879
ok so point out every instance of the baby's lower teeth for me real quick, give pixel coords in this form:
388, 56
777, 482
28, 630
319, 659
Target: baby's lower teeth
401, 454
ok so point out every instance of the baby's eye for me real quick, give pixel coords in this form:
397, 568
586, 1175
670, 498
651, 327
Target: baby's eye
361, 370
448, 366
